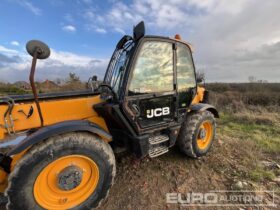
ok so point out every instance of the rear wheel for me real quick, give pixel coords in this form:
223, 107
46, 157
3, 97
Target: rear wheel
197, 134
70, 171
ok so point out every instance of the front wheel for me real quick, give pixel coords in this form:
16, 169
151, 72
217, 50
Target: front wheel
197, 134
70, 171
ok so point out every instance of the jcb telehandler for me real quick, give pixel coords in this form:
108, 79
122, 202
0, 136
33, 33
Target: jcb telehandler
57, 149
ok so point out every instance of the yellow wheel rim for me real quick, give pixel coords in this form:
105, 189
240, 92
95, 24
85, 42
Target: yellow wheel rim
48, 190
205, 135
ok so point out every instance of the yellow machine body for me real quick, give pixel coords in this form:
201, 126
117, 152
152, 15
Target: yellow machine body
55, 111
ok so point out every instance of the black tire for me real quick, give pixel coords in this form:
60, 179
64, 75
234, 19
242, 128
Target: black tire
21, 180
187, 139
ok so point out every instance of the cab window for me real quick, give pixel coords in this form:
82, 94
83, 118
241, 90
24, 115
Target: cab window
153, 71
185, 75
185, 68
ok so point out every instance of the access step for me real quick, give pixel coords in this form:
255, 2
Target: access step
158, 139
157, 151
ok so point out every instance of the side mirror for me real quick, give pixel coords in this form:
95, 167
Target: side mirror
139, 31
38, 48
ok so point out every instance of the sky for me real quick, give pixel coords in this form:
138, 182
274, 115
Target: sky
232, 40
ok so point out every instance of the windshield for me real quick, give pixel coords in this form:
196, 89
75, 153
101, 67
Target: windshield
117, 66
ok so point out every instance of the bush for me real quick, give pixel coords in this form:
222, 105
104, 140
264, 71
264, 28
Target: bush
238, 96
11, 90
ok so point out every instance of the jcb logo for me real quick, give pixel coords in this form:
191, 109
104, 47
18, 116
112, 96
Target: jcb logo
158, 112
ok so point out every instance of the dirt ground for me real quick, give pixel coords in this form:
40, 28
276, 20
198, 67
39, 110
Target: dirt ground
234, 163
144, 184
244, 157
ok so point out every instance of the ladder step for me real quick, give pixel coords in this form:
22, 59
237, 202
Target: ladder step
157, 151
158, 139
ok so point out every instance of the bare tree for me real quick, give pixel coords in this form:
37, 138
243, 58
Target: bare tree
73, 78
73, 82
200, 76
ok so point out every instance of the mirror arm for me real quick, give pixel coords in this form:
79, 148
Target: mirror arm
32, 83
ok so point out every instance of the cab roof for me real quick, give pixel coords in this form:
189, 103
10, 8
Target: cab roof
176, 39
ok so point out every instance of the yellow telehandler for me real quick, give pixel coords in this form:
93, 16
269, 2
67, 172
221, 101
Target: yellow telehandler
57, 149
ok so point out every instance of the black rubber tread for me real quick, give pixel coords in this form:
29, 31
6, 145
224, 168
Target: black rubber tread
22, 178
187, 139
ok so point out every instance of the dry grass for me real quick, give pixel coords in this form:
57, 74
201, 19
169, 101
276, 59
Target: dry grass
258, 116
238, 97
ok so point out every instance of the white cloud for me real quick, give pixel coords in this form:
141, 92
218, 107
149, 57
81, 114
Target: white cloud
119, 30
69, 28
101, 30
219, 30
14, 43
232, 39
7, 51
58, 65
28, 5
118, 18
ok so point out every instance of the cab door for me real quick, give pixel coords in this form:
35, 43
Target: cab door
150, 99
186, 81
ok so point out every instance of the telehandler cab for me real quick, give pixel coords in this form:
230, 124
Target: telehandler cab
57, 149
